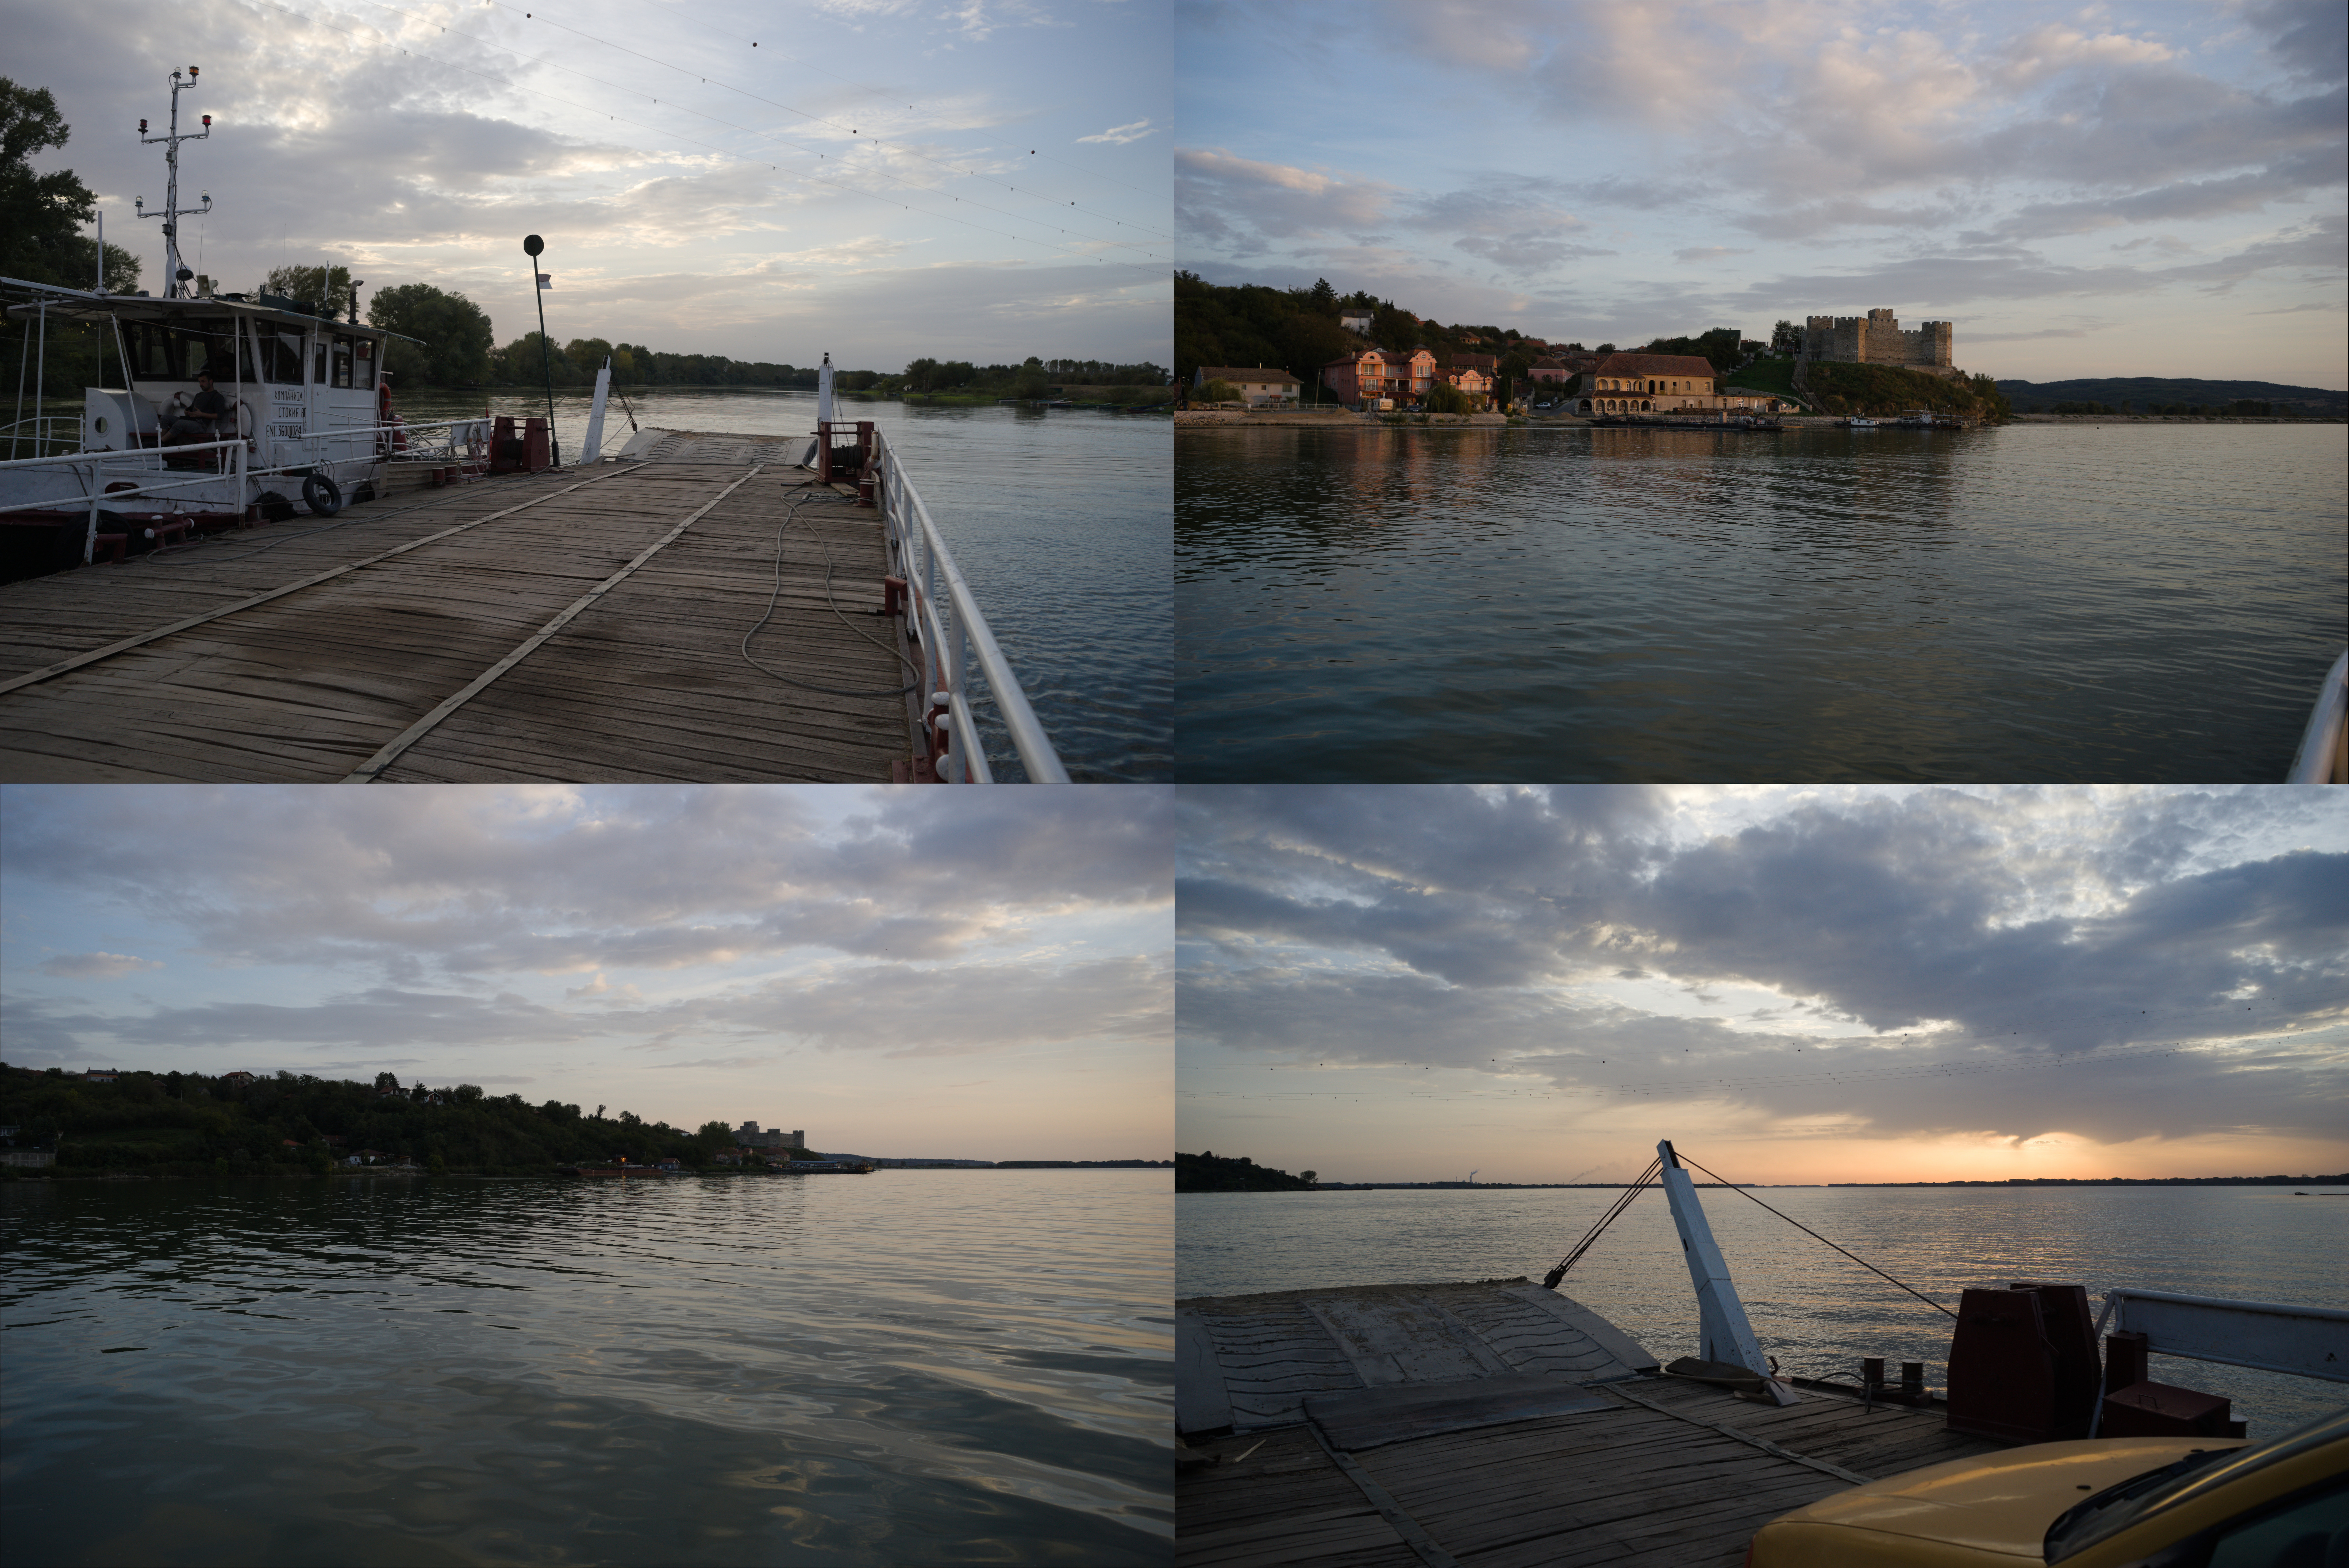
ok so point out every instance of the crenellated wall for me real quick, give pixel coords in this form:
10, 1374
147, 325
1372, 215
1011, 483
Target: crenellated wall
1877, 339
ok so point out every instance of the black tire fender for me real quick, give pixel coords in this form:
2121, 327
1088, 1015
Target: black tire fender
321, 495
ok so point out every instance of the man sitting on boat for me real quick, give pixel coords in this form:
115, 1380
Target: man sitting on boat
198, 420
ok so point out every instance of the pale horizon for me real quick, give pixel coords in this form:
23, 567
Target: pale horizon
1798, 986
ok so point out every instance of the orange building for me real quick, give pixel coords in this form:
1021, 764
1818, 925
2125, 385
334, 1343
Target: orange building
1370, 374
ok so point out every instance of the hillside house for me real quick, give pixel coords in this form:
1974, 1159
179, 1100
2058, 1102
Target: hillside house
100, 1075
1370, 374
1355, 318
1258, 388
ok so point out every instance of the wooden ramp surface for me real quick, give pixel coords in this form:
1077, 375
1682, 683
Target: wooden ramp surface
1663, 1472
644, 680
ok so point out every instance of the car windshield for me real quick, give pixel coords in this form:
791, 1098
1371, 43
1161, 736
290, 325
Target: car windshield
2114, 1509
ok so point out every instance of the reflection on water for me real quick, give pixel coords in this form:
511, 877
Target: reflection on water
909, 1367
1058, 520
1590, 605
1816, 1310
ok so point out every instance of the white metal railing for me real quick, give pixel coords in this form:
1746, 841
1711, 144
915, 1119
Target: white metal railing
954, 635
41, 435
2322, 745
2269, 1336
95, 500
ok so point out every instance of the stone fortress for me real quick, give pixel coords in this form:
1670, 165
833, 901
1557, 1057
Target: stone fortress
1878, 340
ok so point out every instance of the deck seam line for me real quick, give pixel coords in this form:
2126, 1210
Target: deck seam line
368, 771
81, 659
1764, 1444
1414, 1536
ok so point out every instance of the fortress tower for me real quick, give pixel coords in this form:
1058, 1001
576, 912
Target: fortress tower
1878, 339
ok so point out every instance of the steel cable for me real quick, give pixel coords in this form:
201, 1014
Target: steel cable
1806, 1231
772, 597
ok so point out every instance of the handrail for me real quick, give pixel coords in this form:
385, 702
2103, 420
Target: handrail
2321, 744
948, 647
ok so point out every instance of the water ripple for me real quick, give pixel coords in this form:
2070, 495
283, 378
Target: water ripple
915, 1366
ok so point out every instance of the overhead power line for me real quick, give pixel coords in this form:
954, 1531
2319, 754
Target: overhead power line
532, 14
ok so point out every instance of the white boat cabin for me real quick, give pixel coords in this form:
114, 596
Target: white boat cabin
302, 389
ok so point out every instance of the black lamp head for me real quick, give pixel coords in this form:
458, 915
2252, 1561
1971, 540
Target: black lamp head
531, 244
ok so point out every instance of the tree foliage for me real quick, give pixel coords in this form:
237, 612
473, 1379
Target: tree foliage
1210, 1173
41, 215
188, 1124
455, 336
1718, 347
327, 288
1878, 389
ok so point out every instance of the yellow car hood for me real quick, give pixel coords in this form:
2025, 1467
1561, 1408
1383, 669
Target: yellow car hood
2001, 1504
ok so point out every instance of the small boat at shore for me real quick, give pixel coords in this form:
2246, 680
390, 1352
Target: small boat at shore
1859, 422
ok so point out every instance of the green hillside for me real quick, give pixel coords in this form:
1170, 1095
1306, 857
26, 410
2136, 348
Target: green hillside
1879, 390
2161, 394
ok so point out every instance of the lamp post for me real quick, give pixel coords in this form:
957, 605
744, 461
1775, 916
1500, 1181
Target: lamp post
534, 247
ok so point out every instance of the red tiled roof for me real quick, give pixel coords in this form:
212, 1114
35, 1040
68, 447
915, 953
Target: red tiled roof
1226, 373
1655, 365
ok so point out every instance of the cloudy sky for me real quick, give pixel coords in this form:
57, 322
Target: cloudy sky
1865, 984
881, 179
950, 973
2084, 189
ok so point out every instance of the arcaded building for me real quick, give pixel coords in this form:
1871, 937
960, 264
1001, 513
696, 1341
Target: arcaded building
1660, 384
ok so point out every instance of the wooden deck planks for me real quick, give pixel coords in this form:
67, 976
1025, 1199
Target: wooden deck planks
656, 667
1677, 1479
646, 683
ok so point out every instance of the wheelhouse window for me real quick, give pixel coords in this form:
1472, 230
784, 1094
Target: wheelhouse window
363, 363
281, 354
179, 350
318, 372
342, 361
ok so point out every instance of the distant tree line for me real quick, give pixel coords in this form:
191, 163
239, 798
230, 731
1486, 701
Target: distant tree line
2241, 409
1209, 1173
188, 1124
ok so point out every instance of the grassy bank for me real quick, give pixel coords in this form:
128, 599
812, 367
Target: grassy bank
1880, 390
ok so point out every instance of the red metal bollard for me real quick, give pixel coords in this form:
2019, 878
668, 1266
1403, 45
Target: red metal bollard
506, 448
893, 596
534, 456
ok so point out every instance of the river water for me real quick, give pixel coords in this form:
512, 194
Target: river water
905, 1367
1058, 519
1815, 1309
2035, 604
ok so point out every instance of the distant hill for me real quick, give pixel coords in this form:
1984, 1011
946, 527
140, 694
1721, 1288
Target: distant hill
2148, 394
1207, 1173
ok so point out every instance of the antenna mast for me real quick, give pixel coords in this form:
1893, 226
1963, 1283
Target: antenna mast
174, 275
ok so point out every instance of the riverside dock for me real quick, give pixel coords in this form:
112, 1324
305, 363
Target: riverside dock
1492, 1425
576, 625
